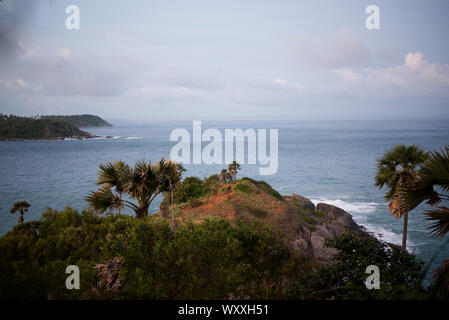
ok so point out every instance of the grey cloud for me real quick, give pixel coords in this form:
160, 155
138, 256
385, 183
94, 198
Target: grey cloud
49, 73
14, 15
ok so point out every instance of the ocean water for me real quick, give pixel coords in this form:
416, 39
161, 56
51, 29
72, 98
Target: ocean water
326, 161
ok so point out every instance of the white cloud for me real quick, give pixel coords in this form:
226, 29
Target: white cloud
65, 53
348, 75
415, 75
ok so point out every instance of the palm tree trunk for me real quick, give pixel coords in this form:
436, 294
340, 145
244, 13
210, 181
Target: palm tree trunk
404, 233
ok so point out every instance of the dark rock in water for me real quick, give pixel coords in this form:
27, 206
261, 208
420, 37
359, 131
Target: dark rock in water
303, 202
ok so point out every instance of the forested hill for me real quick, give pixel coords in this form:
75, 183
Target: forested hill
83, 120
24, 128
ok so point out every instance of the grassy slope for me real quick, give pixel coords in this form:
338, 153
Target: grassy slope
252, 201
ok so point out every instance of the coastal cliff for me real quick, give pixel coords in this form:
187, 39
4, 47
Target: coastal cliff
304, 227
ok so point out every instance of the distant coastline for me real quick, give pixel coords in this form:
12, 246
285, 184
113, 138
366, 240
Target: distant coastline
16, 128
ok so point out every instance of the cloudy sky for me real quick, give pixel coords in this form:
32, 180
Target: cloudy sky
252, 59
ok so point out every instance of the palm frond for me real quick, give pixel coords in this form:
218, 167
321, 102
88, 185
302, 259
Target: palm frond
108, 274
115, 174
440, 217
399, 167
104, 199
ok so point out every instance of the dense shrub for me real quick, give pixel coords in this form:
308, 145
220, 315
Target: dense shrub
401, 273
211, 260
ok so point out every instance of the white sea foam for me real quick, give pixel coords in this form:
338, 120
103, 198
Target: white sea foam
351, 207
133, 138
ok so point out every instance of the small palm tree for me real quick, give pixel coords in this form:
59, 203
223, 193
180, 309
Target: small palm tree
118, 180
171, 173
223, 176
22, 207
233, 169
399, 169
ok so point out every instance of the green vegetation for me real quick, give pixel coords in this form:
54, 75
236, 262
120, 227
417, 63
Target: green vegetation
243, 188
121, 257
23, 128
257, 212
83, 120
212, 260
398, 169
265, 187
192, 188
401, 273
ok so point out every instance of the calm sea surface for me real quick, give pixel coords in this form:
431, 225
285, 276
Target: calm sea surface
328, 161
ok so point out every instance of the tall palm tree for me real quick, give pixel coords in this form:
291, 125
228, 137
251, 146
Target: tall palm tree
233, 169
433, 187
22, 207
120, 182
171, 173
396, 170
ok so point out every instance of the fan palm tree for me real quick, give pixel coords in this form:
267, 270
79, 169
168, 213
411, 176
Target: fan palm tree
22, 207
233, 169
117, 179
433, 187
396, 170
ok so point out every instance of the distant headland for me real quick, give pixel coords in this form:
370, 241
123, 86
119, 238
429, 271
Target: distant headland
81, 120
17, 128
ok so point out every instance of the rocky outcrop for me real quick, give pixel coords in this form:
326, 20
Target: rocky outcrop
303, 202
304, 226
334, 222
339, 217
